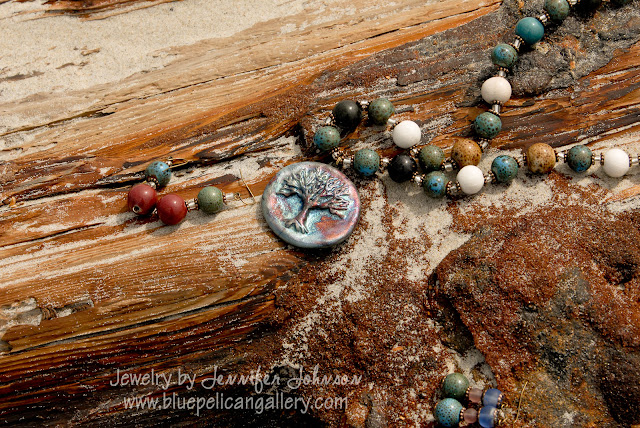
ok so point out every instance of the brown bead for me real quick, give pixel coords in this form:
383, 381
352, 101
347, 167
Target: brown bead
466, 152
541, 158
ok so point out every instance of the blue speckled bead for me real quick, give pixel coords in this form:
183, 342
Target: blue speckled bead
579, 158
366, 162
210, 199
380, 111
487, 417
487, 125
492, 398
326, 138
435, 184
160, 171
530, 30
558, 10
455, 385
447, 412
504, 55
431, 158
505, 168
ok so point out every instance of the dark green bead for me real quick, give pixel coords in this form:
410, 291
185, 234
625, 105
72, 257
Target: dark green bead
558, 10
159, 171
530, 30
447, 412
504, 168
347, 114
487, 125
366, 162
455, 385
431, 158
380, 111
210, 200
504, 55
435, 184
327, 138
579, 158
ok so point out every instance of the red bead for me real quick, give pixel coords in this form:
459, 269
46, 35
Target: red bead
171, 209
142, 199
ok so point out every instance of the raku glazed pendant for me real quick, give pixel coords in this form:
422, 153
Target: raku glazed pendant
311, 205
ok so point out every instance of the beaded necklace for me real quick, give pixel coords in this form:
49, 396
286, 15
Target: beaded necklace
539, 158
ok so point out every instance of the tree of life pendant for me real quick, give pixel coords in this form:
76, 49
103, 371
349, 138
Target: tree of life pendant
311, 205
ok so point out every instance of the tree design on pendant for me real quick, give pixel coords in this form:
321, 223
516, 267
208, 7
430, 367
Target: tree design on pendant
317, 189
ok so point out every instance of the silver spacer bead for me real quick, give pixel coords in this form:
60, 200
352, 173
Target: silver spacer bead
329, 121
192, 204
152, 182
364, 104
517, 43
561, 156
496, 109
392, 123
415, 151
544, 18
635, 160
346, 163
453, 188
228, 197
502, 72
336, 154
597, 158
572, 3
489, 177
448, 166
522, 161
418, 178
384, 163
484, 144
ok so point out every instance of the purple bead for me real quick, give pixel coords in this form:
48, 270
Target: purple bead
492, 398
470, 416
475, 395
487, 417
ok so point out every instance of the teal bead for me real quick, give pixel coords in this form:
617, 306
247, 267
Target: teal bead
210, 199
327, 138
504, 55
380, 111
435, 184
579, 158
431, 158
487, 125
366, 162
504, 168
159, 171
558, 10
455, 385
447, 412
530, 30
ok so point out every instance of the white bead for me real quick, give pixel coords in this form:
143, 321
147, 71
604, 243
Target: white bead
471, 179
616, 163
496, 89
406, 134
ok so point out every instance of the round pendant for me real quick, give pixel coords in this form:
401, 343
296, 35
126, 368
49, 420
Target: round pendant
311, 205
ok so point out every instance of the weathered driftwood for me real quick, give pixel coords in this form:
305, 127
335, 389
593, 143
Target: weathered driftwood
113, 291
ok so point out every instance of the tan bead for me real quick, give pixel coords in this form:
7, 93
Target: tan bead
466, 152
541, 158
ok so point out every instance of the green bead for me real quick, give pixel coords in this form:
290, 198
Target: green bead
435, 184
558, 10
366, 162
455, 385
487, 125
160, 171
210, 200
504, 168
380, 111
504, 55
530, 30
431, 158
579, 158
326, 138
447, 412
